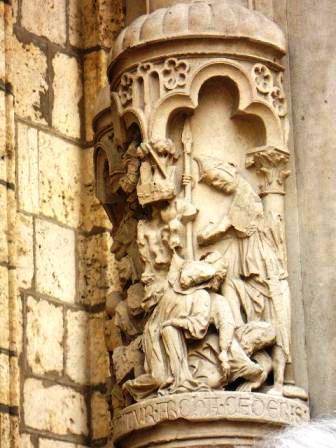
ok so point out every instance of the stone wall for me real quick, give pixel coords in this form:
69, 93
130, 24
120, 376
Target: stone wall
55, 262
313, 67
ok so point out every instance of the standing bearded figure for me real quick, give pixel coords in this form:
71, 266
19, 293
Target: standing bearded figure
256, 284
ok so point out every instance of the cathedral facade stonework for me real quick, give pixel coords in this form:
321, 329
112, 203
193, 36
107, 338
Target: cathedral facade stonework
167, 243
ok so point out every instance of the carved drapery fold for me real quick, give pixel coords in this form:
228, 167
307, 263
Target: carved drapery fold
191, 161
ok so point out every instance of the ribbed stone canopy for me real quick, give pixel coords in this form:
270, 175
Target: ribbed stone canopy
207, 18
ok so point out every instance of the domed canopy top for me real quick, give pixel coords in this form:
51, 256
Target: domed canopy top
210, 18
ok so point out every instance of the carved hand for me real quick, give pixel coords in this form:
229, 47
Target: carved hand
224, 360
174, 323
207, 235
186, 180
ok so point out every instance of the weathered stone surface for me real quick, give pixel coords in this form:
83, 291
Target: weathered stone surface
213, 179
44, 337
3, 158
3, 225
59, 179
25, 250
97, 273
4, 380
101, 424
203, 407
56, 409
265, 7
27, 158
68, 92
99, 363
14, 377
8, 430
26, 442
45, 443
51, 23
2, 40
311, 33
95, 78
94, 23
4, 311
77, 351
28, 73
92, 213
86, 355
55, 261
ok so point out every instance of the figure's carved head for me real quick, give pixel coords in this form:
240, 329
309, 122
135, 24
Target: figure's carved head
165, 147
218, 173
125, 271
135, 295
217, 261
255, 336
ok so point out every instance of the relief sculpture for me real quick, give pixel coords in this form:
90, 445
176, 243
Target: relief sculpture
199, 327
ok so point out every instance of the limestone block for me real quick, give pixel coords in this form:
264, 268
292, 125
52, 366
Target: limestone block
27, 168
77, 356
68, 91
25, 250
4, 379
2, 40
56, 409
28, 74
3, 161
3, 225
44, 337
92, 213
5, 34
86, 359
19, 324
46, 443
5, 429
9, 431
51, 23
99, 363
101, 424
14, 381
95, 78
59, 179
4, 312
15, 8
96, 272
55, 261
26, 441
94, 23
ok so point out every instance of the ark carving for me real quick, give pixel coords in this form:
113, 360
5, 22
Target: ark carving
191, 161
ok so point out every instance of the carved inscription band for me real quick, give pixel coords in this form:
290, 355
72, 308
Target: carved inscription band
211, 406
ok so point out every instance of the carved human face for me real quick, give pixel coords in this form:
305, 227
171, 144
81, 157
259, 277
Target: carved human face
221, 180
261, 335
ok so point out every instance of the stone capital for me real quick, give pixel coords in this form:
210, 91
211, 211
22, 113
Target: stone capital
271, 165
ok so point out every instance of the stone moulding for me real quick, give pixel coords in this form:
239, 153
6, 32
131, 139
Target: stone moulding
191, 161
210, 407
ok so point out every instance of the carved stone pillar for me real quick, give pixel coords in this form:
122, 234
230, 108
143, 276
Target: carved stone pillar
191, 161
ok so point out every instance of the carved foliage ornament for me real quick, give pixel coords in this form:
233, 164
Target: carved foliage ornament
270, 86
272, 165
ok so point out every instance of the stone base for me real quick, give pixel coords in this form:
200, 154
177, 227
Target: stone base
217, 419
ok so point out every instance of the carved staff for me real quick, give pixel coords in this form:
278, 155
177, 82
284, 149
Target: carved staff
187, 150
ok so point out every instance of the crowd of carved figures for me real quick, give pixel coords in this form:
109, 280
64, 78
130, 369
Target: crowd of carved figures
183, 322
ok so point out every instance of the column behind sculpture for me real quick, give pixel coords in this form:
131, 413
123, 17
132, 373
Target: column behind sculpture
191, 161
